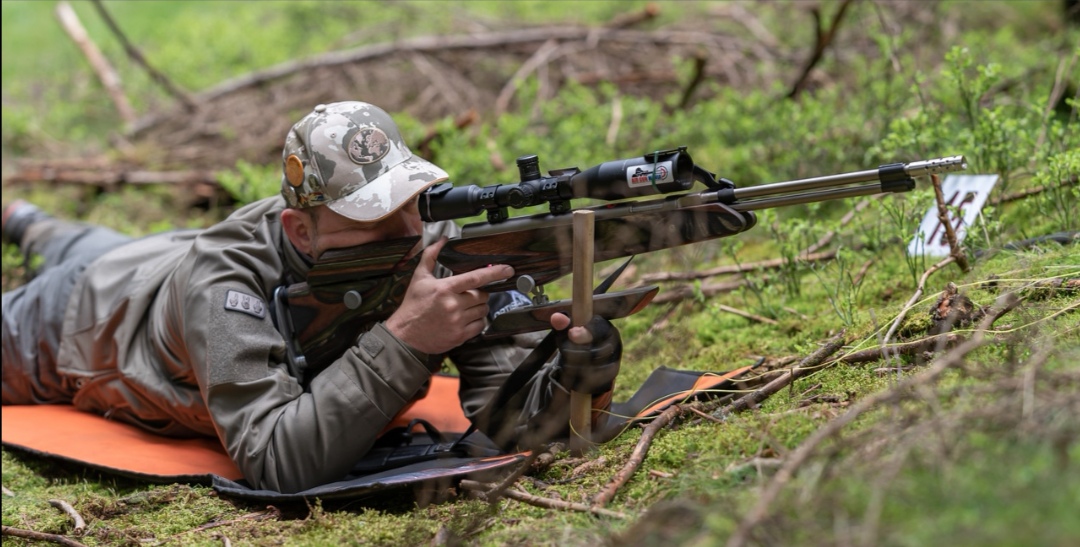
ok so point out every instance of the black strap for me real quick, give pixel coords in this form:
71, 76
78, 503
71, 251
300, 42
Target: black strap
492, 413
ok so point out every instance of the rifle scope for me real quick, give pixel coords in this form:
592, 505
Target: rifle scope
658, 172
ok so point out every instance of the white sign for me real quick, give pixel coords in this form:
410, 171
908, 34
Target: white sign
966, 193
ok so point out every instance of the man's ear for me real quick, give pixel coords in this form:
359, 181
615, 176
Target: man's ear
299, 228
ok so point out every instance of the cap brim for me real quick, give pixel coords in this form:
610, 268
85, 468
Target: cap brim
383, 196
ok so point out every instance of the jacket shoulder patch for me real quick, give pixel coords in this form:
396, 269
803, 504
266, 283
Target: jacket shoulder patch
245, 303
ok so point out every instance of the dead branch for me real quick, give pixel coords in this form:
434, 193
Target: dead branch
771, 264
695, 81
438, 80
641, 449
70, 511
915, 297
955, 250
156, 75
907, 348
30, 173
862, 272
626, 20
501, 39
497, 492
69, 20
539, 501
40, 536
807, 366
801, 454
675, 294
1021, 194
746, 314
616, 121
271, 512
824, 38
545, 54
1064, 67
433, 135
847, 218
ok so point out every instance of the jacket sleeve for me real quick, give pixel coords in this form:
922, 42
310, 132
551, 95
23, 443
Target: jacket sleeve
282, 437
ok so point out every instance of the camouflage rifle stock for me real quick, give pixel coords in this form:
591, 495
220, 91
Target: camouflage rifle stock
350, 289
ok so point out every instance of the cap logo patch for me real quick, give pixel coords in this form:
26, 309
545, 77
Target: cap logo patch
368, 145
294, 171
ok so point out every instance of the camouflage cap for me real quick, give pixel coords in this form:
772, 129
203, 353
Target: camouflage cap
350, 157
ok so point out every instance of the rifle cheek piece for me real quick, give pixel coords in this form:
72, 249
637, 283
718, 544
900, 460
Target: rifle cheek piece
894, 178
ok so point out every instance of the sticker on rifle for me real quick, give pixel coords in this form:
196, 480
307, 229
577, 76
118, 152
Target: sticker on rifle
645, 175
965, 194
503, 302
245, 303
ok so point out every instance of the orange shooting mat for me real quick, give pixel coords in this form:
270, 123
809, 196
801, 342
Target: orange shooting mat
63, 432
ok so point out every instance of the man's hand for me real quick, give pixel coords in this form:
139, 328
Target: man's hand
438, 315
589, 356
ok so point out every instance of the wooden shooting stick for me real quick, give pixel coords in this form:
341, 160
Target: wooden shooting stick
581, 313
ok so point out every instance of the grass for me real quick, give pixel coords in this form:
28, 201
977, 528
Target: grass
985, 456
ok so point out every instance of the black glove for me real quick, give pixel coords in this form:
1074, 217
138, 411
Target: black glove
590, 368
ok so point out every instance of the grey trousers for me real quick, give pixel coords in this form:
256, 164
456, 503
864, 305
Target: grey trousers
33, 314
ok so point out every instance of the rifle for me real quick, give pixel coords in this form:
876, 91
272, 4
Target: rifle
352, 288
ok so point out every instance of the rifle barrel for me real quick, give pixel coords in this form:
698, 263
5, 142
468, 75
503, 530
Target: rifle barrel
806, 197
913, 169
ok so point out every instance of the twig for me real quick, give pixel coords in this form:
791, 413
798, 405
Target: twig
676, 294
625, 20
641, 449
862, 272
915, 297
709, 417
540, 501
746, 314
271, 512
1055, 95
503, 40
69, 20
824, 38
495, 493
442, 85
806, 367
801, 454
224, 540
695, 81
907, 348
40, 536
544, 54
156, 75
955, 250
1021, 194
7, 492
66, 507
844, 221
616, 121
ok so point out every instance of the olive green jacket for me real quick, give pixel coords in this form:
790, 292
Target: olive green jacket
173, 332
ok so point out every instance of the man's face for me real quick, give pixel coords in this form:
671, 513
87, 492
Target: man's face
333, 231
